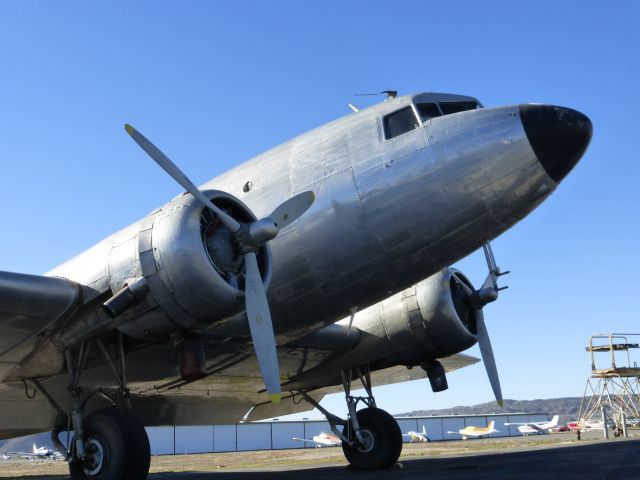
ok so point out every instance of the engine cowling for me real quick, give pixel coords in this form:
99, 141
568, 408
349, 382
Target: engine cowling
189, 264
447, 318
429, 320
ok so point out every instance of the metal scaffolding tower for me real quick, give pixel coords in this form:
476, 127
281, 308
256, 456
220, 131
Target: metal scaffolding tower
612, 395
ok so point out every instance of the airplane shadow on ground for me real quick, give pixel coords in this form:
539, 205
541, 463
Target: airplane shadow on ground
616, 459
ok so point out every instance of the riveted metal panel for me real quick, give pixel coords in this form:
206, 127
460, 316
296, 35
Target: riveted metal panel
31, 305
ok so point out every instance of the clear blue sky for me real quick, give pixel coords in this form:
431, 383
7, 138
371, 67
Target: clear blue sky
214, 83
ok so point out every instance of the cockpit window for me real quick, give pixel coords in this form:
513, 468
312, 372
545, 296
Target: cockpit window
454, 107
399, 122
428, 110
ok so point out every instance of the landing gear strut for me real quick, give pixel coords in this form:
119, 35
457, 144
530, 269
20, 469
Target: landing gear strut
108, 444
371, 438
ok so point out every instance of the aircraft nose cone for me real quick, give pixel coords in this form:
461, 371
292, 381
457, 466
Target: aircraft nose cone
559, 136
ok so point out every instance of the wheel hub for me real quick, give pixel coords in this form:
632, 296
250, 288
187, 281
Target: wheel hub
92, 462
367, 441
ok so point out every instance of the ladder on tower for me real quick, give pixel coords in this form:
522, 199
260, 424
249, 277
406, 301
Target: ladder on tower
612, 393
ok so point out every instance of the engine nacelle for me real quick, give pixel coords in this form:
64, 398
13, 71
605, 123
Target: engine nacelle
189, 264
448, 320
430, 320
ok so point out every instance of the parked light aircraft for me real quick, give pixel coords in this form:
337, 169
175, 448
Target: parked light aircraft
536, 428
584, 425
475, 432
323, 439
245, 296
417, 437
39, 452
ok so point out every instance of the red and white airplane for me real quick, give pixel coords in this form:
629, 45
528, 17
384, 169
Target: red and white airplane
322, 440
536, 428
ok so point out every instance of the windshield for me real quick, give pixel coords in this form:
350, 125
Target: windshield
455, 107
428, 110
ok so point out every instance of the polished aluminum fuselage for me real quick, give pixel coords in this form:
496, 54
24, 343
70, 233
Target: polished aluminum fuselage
388, 213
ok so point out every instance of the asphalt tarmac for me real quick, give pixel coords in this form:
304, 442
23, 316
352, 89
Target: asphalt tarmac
558, 456
618, 459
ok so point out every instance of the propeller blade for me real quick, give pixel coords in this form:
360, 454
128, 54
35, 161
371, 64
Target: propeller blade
487, 356
290, 210
264, 342
175, 173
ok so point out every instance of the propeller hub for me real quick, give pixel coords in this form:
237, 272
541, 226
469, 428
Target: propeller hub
263, 230
481, 297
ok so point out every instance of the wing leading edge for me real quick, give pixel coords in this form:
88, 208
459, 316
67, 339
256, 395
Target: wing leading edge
30, 307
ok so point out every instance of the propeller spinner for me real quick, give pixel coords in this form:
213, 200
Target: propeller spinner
250, 237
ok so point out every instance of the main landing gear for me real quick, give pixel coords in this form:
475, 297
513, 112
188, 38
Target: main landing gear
107, 444
371, 438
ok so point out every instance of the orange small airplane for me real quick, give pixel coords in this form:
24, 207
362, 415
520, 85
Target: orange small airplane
475, 432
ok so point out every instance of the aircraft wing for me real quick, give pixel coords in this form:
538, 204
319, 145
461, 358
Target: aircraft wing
231, 392
537, 427
306, 440
35, 311
30, 307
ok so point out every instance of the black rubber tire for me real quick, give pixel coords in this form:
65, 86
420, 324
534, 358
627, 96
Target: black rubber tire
125, 447
387, 441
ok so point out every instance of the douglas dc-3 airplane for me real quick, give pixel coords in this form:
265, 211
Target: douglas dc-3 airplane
168, 321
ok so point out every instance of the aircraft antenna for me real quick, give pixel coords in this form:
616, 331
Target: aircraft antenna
391, 94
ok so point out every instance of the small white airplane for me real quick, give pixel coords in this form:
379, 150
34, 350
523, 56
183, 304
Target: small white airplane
536, 428
417, 436
475, 432
322, 440
39, 452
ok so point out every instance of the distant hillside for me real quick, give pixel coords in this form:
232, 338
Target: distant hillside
567, 407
